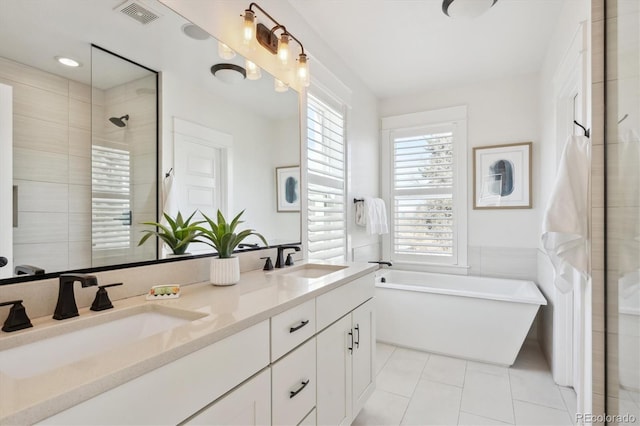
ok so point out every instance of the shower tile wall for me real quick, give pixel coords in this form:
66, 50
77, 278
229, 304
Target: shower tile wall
51, 144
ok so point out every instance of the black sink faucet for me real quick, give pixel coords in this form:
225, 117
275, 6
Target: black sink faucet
381, 262
279, 259
66, 306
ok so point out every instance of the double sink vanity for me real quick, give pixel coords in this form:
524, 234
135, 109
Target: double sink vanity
291, 346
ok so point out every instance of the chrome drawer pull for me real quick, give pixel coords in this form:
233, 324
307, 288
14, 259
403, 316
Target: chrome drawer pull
302, 324
294, 393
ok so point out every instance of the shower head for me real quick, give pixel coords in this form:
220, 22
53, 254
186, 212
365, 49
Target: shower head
120, 122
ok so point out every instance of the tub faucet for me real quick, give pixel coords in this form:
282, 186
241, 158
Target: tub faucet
380, 262
279, 259
66, 306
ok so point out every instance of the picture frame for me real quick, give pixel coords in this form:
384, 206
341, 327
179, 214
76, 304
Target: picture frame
288, 189
502, 176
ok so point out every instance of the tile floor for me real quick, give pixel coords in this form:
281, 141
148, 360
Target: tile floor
418, 388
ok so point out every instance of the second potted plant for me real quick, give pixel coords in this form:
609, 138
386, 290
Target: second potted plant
177, 236
222, 236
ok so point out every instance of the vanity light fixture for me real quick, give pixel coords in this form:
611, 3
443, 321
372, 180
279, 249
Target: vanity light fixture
280, 86
253, 71
466, 8
69, 62
276, 45
225, 52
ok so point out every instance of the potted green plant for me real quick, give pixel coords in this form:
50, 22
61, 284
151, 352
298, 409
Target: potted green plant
177, 235
223, 237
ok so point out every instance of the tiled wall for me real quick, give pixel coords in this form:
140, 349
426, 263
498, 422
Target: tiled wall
51, 144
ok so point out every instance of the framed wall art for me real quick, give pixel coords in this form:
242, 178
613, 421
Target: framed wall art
288, 188
502, 176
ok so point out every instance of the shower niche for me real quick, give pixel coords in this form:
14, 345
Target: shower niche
123, 158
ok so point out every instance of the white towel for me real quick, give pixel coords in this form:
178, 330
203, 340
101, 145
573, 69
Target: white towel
375, 216
360, 214
565, 223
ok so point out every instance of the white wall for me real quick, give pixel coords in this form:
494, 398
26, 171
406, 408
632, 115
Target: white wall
499, 112
221, 19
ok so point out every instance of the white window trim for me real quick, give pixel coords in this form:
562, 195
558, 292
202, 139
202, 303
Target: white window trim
458, 116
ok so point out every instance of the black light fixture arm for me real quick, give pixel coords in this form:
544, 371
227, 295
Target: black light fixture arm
277, 26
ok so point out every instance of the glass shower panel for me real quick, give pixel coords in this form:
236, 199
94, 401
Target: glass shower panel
623, 209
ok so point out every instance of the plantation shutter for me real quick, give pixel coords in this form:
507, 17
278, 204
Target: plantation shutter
111, 198
326, 235
423, 215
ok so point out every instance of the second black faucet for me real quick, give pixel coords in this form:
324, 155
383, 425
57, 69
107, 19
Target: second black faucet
279, 259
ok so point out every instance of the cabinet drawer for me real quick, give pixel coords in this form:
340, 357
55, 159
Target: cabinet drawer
293, 385
248, 405
339, 302
291, 328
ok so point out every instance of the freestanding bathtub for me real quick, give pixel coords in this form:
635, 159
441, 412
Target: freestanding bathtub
475, 318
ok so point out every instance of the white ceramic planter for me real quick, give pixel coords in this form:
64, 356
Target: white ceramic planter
224, 271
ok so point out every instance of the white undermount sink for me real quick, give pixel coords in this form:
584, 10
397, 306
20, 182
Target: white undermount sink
310, 270
92, 336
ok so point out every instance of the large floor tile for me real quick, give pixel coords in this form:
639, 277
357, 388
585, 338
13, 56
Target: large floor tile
382, 409
467, 419
482, 367
433, 403
402, 371
537, 387
383, 353
532, 414
445, 370
487, 395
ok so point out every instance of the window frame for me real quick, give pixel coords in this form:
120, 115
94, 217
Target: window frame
454, 118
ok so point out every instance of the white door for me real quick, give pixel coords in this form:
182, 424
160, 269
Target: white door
6, 181
250, 404
202, 166
363, 355
333, 403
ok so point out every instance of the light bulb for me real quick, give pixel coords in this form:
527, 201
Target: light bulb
249, 26
283, 49
280, 86
253, 71
303, 70
225, 52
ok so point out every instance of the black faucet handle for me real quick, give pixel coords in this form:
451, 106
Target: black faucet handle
17, 318
268, 266
381, 262
102, 301
289, 261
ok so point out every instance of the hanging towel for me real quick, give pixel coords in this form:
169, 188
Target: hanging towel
565, 223
375, 216
360, 214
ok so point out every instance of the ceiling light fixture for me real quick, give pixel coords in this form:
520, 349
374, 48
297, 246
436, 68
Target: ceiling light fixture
276, 45
229, 73
466, 8
69, 62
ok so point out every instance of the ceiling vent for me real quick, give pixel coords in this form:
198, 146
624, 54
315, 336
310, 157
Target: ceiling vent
136, 11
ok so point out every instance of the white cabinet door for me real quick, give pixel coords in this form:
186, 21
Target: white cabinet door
363, 355
250, 404
333, 402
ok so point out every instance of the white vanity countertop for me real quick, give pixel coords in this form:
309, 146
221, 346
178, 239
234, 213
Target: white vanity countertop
226, 310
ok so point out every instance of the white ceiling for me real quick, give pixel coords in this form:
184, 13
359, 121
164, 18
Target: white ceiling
399, 47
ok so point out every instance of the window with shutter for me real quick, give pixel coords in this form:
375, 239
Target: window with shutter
326, 228
111, 198
423, 216
425, 183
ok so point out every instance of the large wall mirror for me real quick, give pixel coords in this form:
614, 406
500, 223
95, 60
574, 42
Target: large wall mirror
221, 137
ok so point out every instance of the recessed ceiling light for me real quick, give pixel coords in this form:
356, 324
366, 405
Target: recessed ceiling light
68, 61
195, 32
